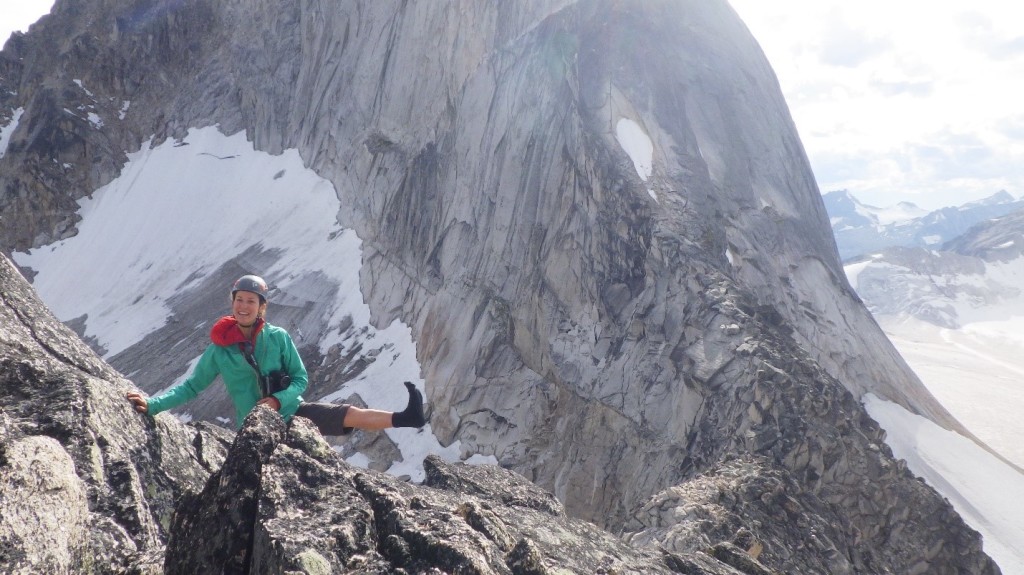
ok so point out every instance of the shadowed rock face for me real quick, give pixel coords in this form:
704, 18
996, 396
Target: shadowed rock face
604, 335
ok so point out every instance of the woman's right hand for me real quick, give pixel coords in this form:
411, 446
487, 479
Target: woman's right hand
139, 402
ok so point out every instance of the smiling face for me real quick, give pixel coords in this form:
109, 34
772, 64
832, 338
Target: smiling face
246, 307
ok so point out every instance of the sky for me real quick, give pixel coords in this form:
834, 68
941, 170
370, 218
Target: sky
916, 100
17, 15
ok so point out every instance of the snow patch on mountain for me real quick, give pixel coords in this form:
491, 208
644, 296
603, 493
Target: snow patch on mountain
984, 490
957, 319
846, 212
637, 146
177, 213
202, 201
896, 214
8, 129
944, 288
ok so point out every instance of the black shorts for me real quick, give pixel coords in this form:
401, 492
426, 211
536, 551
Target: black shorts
329, 418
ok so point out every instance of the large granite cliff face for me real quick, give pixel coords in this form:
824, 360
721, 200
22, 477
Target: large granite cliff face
607, 333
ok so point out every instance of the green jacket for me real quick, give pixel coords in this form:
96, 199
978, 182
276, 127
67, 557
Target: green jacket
274, 350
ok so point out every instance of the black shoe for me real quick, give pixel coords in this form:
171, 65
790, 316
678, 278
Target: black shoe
412, 415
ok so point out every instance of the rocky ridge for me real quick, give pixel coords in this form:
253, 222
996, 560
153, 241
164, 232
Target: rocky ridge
995, 240
284, 502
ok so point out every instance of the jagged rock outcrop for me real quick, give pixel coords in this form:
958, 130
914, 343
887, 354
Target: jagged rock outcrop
86, 485
795, 449
284, 502
606, 333
753, 505
996, 240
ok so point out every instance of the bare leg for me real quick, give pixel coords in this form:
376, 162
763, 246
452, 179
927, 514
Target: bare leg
376, 419
370, 419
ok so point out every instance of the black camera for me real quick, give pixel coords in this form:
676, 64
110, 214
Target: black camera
278, 380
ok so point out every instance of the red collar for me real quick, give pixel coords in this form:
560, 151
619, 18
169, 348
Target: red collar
225, 331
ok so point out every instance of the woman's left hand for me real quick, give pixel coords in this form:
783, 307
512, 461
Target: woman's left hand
271, 402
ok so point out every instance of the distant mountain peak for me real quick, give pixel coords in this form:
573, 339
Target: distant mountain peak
860, 228
1000, 197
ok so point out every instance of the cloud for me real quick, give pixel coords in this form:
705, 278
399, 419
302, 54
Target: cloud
979, 32
837, 167
917, 88
847, 47
944, 169
1012, 128
1003, 49
956, 156
916, 100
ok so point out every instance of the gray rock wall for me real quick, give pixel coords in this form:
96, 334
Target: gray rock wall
515, 201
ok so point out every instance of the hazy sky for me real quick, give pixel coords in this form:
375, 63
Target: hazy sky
18, 14
915, 100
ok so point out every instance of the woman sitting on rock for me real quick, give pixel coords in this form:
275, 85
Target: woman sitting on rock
246, 351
